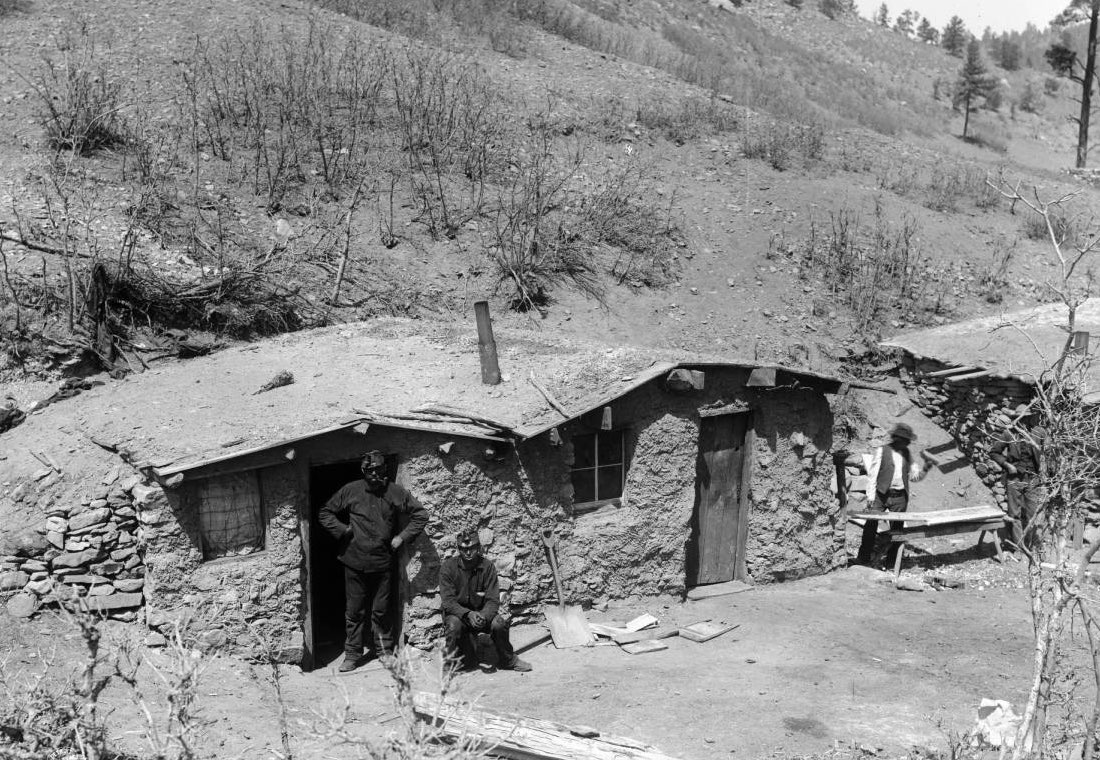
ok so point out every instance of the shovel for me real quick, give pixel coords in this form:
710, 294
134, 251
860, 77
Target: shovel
568, 626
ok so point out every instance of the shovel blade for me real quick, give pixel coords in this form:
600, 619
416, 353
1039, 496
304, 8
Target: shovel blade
568, 627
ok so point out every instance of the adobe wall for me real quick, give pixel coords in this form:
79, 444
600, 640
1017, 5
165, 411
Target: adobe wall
511, 494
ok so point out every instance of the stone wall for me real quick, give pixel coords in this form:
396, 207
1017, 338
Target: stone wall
86, 549
977, 413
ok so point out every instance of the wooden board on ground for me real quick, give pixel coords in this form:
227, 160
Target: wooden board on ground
717, 589
521, 738
705, 630
650, 633
644, 646
936, 517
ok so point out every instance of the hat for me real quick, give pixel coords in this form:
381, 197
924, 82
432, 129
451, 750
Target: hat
901, 430
468, 537
373, 460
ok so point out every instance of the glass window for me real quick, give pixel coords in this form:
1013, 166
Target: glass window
599, 466
230, 515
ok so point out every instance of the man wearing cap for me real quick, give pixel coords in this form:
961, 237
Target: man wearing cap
1019, 458
365, 517
891, 471
471, 605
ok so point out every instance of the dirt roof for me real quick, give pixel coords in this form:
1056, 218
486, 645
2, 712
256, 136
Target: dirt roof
1018, 344
209, 406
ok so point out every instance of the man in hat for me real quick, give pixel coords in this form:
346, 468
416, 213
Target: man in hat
365, 517
471, 605
892, 469
1019, 458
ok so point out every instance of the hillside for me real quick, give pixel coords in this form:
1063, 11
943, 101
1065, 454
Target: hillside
760, 180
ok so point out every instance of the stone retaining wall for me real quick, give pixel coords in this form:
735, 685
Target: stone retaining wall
977, 413
86, 549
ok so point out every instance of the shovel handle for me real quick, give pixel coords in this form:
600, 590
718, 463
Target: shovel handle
547, 538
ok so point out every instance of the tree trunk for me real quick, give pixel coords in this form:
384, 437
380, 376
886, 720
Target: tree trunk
966, 118
1086, 88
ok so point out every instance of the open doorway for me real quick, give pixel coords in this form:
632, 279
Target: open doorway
326, 574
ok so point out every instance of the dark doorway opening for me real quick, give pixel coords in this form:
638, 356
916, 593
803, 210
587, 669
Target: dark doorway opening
325, 571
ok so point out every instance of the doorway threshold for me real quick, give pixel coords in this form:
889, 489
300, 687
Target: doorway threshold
717, 589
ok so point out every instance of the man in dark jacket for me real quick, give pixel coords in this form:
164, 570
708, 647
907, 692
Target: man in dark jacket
364, 517
1020, 460
471, 605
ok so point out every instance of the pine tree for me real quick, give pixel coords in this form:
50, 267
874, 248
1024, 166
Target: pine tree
1009, 54
882, 17
1065, 62
904, 23
928, 33
974, 82
954, 37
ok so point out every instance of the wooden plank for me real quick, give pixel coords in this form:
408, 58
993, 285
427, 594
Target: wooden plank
644, 646
953, 529
933, 517
717, 589
650, 633
705, 630
951, 371
761, 377
522, 738
971, 376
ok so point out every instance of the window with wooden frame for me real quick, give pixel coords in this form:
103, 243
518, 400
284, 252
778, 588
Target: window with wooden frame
231, 515
599, 467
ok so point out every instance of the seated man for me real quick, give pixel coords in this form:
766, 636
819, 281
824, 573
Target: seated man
471, 601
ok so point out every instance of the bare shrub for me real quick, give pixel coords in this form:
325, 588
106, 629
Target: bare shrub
950, 183
79, 100
687, 118
530, 247
1062, 225
993, 279
450, 125
780, 144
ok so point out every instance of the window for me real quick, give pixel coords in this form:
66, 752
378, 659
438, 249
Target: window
230, 515
599, 466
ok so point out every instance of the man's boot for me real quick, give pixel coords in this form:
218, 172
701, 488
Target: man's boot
350, 663
518, 665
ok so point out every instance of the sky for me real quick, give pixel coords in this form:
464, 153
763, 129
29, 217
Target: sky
1000, 15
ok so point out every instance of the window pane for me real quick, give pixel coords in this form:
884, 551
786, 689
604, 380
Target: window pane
611, 447
584, 451
230, 515
584, 486
610, 482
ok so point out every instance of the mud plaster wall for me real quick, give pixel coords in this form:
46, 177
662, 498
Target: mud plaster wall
511, 493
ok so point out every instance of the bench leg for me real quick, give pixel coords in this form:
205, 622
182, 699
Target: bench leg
897, 560
997, 546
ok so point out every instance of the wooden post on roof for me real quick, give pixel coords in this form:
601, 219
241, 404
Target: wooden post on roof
486, 345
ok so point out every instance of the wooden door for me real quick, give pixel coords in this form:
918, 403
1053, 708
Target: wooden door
719, 526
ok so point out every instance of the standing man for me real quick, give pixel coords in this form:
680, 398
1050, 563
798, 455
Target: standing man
471, 605
364, 517
1020, 460
891, 471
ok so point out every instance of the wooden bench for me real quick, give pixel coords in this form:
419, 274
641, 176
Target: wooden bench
943, 522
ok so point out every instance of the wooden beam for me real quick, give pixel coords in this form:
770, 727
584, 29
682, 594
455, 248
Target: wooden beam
523, 738
680, 380
970, 376
550, 399
950, 371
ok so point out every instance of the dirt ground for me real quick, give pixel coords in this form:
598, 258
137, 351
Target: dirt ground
844, 657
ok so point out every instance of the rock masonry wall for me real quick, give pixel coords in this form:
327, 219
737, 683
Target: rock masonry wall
86, 550
977, 413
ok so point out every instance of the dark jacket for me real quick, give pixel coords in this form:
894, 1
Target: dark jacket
467, 590
364, 522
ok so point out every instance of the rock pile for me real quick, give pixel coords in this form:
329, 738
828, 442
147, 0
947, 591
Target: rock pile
89, 551
978, 413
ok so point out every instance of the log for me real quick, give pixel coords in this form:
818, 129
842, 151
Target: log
522, 738
950, 371
458, 413
550, 399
